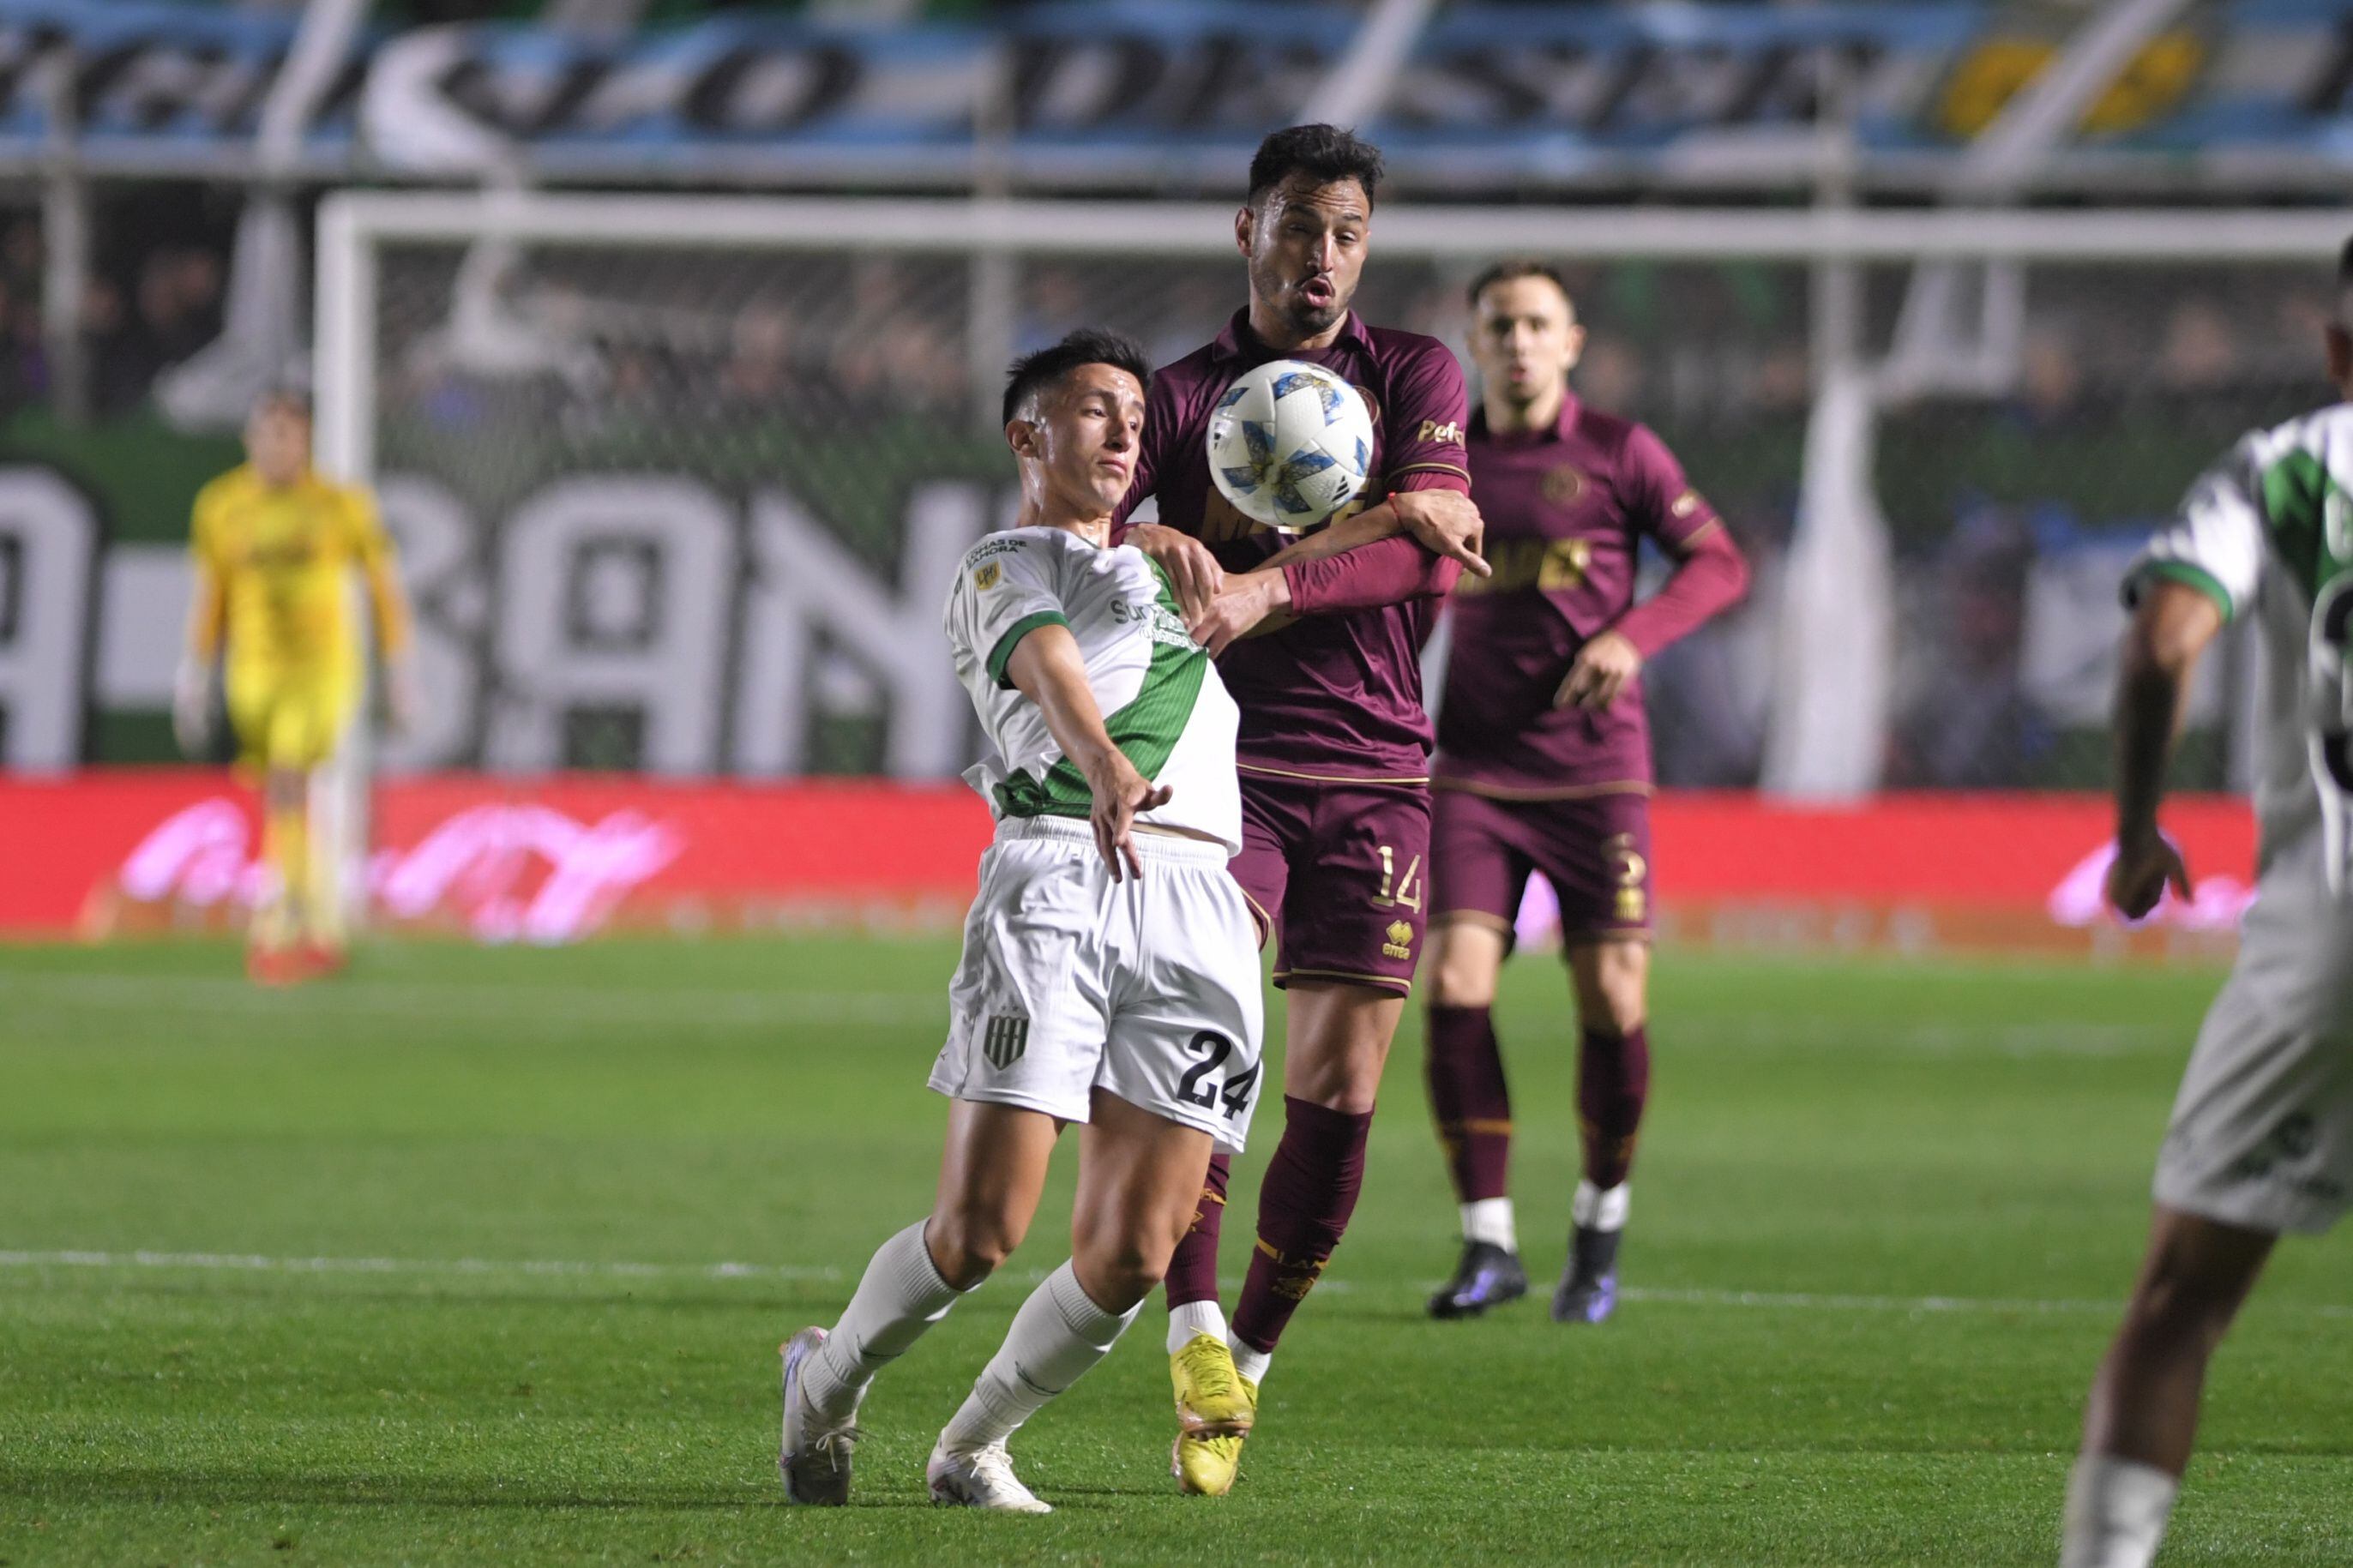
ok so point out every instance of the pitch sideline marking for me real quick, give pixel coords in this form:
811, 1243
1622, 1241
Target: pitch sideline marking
1796, 1300
632, 1007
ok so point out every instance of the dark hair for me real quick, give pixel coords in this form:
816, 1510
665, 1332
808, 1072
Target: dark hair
1089, 345
285, 396
2345, 266
1325, 152
1512, 272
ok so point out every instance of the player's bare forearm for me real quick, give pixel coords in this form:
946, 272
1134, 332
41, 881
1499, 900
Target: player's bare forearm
1251, 603
1047, 669
2170, 631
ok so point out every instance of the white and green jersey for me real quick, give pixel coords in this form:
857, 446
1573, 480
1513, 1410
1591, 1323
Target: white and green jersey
2268, 533
1160, 695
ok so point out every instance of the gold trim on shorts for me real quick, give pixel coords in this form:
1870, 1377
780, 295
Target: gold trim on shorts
1568, 791
1406, 987
1327, 778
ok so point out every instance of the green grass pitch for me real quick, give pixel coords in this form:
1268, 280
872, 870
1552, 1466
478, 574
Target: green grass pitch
432, 1277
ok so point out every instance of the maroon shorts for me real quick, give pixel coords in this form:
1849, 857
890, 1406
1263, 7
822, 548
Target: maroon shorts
1595, 850
1340, 870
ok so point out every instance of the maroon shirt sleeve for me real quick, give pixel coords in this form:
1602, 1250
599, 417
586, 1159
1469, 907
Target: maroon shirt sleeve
1710, 574
1422, 448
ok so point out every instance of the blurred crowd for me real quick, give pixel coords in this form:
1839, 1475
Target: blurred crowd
149, 300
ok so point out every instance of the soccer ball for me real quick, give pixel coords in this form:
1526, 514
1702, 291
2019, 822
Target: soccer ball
1290, 444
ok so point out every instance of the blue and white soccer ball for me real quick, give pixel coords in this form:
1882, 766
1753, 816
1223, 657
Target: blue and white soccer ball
1290, 444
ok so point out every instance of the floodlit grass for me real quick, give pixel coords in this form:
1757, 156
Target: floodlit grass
433, 1273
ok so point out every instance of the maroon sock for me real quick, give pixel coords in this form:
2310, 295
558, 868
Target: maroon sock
1193, 1267
1613, 1079
1304, 1204
1470, 1100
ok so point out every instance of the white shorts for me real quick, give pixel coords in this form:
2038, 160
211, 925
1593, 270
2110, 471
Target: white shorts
2261, 1134
1071, 981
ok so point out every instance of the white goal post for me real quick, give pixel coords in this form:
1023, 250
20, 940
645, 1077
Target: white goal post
1836, 632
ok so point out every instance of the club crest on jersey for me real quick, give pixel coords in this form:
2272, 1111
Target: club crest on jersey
1685, 504
1004, 1039
1561, 486
985, 575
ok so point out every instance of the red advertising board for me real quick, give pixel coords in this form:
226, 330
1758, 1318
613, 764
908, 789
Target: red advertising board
554, 859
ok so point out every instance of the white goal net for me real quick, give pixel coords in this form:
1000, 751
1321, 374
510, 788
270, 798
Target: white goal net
677, 479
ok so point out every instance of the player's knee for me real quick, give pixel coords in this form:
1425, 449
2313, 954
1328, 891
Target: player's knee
968, 1241
1613, 988
1119, 1267
1459, 976
1121, 1278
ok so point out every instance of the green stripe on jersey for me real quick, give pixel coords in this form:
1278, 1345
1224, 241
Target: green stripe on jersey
2194, 576
1146, 731
1002, 654
2297, 491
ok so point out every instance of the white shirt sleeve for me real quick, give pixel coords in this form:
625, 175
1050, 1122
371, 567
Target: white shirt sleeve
2217, 543
1008, 587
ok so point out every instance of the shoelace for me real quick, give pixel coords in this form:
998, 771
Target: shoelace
833, 1446
1212, 1376
995, 1465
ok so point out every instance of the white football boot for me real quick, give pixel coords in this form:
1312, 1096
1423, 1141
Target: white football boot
815, 1456
980, 1478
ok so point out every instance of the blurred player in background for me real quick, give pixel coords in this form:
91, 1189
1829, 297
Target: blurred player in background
1334, 746
2261, 1135
1544, 765
274, 545
1110, 970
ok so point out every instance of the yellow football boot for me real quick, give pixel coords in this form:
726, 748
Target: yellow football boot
1215, 1408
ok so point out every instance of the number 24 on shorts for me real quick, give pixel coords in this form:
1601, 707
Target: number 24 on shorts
1195, 1089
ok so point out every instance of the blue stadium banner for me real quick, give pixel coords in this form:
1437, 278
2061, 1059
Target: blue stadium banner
1494, 96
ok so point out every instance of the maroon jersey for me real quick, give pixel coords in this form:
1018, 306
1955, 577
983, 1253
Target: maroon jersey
1338, 693
1565, 509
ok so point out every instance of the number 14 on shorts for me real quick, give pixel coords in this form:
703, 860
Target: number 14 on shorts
1398, 894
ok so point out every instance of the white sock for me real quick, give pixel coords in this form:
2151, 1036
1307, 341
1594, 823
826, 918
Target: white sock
1195, 1318
1249, 1361
1600, 1210
900, 1296
1056, 1336
1489, 1220
2117, 1512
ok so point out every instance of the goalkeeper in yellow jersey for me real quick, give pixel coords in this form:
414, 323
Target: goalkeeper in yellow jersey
274, 545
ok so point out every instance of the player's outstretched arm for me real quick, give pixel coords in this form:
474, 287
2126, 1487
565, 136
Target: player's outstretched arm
192, 684
1444, 522
2171, 628
1046, 667
1710, 576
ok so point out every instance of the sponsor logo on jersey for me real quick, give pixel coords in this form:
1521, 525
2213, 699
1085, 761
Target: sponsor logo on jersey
1685, 504
985, 575
1449, 433
1400, 940
988, 547
1004, 1039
